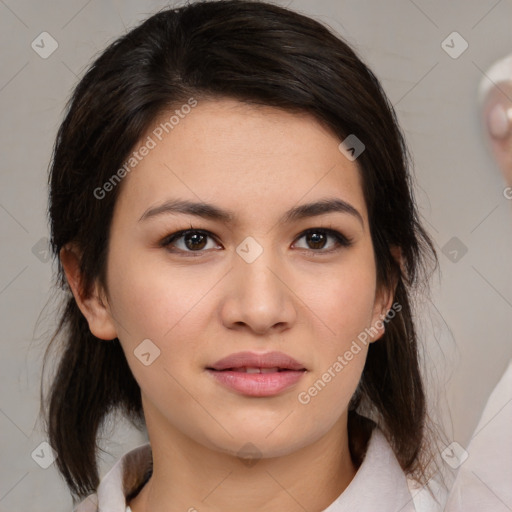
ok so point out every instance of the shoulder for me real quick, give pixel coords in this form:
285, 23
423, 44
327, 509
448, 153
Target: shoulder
123, 481
381, 484
484, 476
428, 499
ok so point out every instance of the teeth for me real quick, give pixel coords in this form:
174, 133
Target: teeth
246, 369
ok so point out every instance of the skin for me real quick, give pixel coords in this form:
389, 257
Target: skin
309, 301
500, 140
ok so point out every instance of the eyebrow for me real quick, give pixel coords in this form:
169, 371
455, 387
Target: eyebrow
212, 212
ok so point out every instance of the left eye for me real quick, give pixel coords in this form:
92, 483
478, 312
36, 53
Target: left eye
317, 237
194, 240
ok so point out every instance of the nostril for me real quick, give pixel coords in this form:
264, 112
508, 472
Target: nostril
499, 121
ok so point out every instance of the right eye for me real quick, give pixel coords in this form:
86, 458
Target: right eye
191, 240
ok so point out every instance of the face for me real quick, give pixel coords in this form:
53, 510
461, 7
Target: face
246, 276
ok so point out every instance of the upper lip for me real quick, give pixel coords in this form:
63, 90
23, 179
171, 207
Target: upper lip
257, 360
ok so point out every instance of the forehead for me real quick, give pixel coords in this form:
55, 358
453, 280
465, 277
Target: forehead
243, 156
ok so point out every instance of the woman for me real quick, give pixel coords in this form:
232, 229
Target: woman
231, 208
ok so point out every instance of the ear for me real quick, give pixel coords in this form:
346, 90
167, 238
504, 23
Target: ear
92, 303
384, 300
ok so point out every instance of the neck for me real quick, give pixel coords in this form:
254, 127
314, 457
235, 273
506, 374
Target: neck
187, 476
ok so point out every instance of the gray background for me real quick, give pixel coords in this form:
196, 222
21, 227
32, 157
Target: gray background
465, 325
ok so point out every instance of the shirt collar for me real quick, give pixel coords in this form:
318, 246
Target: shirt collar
379, 484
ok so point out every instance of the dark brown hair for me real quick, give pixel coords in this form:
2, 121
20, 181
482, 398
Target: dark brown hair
257, 53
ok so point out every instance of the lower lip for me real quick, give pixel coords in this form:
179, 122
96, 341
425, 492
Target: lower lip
258, 384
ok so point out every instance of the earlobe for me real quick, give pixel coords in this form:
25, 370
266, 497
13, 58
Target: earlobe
384, 299
380, 311
93, 307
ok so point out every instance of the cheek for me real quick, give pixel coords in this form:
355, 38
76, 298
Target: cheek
162, 304
342, 298
328, 391
153, 299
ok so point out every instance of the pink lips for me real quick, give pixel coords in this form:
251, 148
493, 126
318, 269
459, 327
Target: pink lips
259, 375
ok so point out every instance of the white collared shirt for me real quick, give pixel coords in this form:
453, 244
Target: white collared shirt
379, 485
484, 478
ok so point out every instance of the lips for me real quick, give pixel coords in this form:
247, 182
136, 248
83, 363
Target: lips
257, 375
277, 361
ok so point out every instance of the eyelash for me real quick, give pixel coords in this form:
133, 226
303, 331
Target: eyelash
341, 240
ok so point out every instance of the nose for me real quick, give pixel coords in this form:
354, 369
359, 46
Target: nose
260, 296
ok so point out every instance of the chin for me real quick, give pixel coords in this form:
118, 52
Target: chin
257, 447
263, 440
